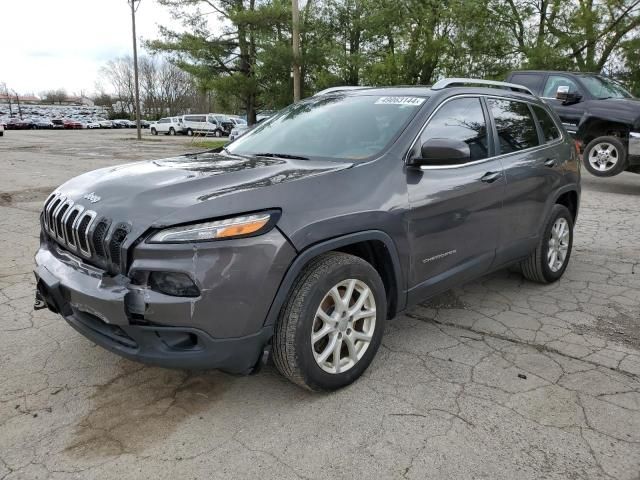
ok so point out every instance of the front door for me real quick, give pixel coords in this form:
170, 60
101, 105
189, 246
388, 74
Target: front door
455, 211
569, 113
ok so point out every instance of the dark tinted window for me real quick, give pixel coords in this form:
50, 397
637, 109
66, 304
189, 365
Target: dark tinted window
547, 125
461, 119
531, 80
516, 129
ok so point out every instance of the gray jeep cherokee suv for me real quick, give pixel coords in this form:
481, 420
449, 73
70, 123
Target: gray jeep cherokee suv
301, 238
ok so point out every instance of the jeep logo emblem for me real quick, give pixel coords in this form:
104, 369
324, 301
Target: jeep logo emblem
92, 197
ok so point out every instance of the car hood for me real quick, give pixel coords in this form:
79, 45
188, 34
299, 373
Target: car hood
188, 188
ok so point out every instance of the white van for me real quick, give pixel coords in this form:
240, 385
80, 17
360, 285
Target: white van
203, 124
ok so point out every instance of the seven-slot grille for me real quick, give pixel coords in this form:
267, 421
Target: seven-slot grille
80, 231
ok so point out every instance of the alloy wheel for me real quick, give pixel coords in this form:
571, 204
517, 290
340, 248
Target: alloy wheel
343, 326
603, 157
558, 244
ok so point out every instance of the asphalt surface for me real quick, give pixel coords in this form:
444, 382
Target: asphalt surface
499, 379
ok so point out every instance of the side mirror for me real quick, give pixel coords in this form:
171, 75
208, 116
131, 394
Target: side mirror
442, 151
563, 94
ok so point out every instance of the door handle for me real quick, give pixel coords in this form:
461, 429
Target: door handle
491, 177
550, 162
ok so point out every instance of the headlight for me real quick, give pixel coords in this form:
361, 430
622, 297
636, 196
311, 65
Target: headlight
243, 226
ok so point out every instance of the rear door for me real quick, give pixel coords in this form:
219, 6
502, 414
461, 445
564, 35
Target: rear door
455, 211
528, 149
571, 113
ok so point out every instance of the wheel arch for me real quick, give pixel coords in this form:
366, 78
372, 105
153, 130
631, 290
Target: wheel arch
570, 198
374, 246
594, 127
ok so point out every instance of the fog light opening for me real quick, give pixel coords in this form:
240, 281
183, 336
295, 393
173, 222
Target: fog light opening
173, 283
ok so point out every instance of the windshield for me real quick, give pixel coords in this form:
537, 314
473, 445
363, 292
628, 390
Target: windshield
601, 87
338, 126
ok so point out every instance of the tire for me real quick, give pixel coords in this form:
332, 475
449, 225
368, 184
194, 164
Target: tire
294, 354
537, 266
189, 132
217, 133
605, 156
172, 131
154, 131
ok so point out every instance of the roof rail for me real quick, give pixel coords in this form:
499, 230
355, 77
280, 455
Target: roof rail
337, 89
459, 82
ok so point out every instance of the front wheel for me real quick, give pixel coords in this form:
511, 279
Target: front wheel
189, 132
605, 156
332, 324
172, 131
217, 133
154, 131
549, 260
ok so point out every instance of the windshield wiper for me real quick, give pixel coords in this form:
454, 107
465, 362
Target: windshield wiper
280, 155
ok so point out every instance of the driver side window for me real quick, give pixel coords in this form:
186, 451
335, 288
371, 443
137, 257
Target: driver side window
460, 119
555, 81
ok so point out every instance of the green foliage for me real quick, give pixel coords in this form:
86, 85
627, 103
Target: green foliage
247, 62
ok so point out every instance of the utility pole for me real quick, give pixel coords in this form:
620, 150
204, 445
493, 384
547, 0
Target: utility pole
295, 17
18, 100
134, 7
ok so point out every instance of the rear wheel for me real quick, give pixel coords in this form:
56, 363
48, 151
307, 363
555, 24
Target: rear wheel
217, 133
154, 131
172, 131
605, 156
332, 324
549, 260
189, 132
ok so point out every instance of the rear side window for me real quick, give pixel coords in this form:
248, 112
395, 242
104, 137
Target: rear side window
549, 129
531, 80
461, 119
515, 125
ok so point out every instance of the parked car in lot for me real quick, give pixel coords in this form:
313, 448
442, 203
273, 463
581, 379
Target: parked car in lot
92, 124
603, 116
42, 123
71, 124
305, 235
21, 124
120, 123
167, 125
105, 123
57, 123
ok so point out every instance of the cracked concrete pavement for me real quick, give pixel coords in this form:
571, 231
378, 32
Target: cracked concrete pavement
498, 379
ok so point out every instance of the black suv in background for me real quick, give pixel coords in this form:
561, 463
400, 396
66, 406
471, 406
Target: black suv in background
307, 233
602, 115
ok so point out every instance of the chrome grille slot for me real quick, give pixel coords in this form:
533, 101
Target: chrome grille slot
60, 214
82, 232
70, 227
99, 234
53, 206
116, 243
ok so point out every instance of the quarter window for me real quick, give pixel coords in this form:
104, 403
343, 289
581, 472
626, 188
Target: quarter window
549, 129
461, 119
515, 125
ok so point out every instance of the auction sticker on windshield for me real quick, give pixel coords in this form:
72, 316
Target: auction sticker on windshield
400, 101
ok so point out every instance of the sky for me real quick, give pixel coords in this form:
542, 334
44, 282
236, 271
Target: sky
49, 44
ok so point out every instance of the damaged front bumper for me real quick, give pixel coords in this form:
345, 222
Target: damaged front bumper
215, 330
